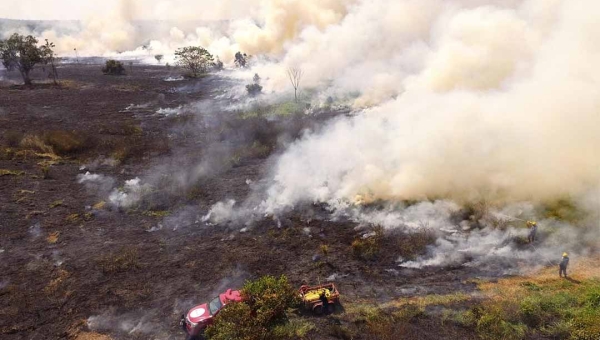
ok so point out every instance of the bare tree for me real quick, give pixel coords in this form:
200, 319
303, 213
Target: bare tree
295, 75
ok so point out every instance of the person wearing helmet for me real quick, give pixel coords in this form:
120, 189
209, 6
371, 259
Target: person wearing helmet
532, 231
563, 265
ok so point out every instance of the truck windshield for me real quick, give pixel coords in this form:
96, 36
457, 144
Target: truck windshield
214, 305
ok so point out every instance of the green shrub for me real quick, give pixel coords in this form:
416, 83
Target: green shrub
270, 297
235, 321
254, 89
113, 67
261, 314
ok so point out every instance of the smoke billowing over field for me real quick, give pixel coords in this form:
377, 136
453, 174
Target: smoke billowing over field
422, 138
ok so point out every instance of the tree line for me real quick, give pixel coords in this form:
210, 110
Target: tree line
23, 53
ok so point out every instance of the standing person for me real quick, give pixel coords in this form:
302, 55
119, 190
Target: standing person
563, 265
532, 231
325, 301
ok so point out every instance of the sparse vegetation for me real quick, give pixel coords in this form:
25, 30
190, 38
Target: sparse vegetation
557, 309
56, 203
113, 67
158, 57
6, 172
73, 218
367, 248
156, 213
195, 60
124, 260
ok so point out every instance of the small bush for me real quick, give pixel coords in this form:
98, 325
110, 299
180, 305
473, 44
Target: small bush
66, 142
254, 89
113, 67
368, 248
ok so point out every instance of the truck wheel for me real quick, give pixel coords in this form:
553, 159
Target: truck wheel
318, 309
331, 308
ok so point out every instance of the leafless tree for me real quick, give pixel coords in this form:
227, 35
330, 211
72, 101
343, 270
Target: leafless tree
295, 75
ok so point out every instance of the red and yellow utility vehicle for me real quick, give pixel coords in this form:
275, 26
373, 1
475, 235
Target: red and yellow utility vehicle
320, 299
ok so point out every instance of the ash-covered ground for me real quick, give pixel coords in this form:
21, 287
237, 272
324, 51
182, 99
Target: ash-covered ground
117, 214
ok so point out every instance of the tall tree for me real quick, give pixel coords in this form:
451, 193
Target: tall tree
22, 53
241, 60
194, 59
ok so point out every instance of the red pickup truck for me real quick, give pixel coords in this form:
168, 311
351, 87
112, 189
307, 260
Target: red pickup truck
197, 318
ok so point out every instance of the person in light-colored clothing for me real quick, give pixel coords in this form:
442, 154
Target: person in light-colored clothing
563, 265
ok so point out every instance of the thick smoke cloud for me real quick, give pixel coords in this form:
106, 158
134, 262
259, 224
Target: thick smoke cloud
501, 110
463, 100
473, 99
144, 28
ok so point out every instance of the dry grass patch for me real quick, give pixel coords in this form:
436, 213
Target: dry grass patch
56, 203
35, 143
67, 142
53, 237
156, 213
6, 172
99, 206
73, 218
60, 276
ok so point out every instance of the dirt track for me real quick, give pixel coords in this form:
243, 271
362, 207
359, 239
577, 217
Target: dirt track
59, 269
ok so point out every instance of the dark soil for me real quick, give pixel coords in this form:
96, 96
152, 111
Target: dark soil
104, 267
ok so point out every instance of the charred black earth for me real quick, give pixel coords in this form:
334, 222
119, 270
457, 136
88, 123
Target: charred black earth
74, 266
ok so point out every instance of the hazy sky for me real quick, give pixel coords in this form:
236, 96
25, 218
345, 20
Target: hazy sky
135, 9
50, 9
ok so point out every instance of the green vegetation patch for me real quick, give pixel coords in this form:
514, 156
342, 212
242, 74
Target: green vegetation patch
262, 314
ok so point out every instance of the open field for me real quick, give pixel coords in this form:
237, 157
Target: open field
73, 265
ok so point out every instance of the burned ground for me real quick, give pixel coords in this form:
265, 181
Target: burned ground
70, 263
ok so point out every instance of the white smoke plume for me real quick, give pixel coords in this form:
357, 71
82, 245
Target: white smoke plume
130, 194
469, 124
